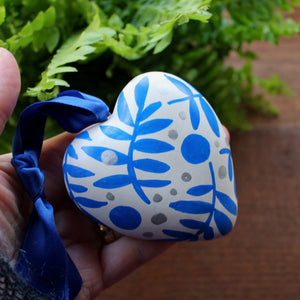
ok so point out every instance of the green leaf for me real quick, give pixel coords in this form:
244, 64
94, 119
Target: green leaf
27, 30
50, 17
2, 12
53, 36
202, 16
115, 22
163, 43
115, 40
76, 48
65, 69
38, 23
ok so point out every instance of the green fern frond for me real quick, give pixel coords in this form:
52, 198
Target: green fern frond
148, 31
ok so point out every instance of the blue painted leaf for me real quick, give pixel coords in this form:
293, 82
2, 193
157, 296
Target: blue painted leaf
223, 223
194, 113
89, 202
230, 168
227, 202
211, 117
84, 136
193, 224
154, 183
225, 151
140, 192
77, 172
140, 92
209, 234
182, 86
97, 153
123, 111
180, 235
115, 133
200, 190
152, 146
192, 207
150, 110
71, 152
77, 188
202, 227
230, 165
154, 126
112, 182
151, 165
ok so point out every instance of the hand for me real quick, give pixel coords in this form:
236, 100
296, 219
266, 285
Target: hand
100, 264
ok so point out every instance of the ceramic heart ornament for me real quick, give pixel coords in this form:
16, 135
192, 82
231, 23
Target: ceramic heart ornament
159, 168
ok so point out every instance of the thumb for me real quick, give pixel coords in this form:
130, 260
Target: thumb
10, 84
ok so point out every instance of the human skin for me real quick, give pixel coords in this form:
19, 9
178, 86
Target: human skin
100, 264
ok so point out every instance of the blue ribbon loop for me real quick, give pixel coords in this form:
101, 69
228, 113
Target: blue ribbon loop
43, 261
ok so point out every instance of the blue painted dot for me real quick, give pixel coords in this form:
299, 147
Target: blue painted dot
125, 217
195, 149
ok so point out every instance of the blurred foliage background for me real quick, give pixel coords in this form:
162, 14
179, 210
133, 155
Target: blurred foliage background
97, 46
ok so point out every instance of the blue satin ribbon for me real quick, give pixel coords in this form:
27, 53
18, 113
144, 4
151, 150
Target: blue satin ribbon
43, 261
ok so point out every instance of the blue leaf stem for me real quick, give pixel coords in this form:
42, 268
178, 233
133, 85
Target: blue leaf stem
214, 196
140, 127
183, 99
215, 211
131, 166
187, 89
224, 223
149, 127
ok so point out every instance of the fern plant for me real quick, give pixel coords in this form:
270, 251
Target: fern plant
109, 42
199, 53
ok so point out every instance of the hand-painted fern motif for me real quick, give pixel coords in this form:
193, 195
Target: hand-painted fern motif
140, 127
193, 109
78, 172
230, 164
160, 168
195, 207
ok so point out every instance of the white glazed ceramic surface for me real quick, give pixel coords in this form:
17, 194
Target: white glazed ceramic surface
159, 168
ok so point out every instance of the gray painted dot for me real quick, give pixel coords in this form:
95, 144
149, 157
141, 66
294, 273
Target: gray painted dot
173, 192
157, 198
186, 177
148, 234
110, 196
173, 134
217, 143
109, 157
222, 172
159, 219
182, 115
